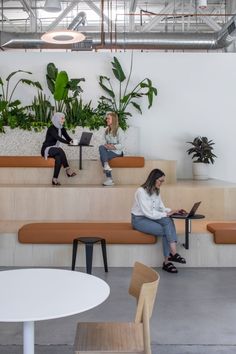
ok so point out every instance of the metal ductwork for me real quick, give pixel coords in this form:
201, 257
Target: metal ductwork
77, 21
130, 40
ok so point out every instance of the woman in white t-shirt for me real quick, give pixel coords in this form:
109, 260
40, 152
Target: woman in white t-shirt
113, 147
149, 215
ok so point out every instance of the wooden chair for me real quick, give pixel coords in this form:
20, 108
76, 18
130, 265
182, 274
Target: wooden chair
128, 337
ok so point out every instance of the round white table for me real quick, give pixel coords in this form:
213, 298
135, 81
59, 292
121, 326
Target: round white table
29, 295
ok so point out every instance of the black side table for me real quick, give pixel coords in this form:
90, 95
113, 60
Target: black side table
80, 152
89, 242
188, 220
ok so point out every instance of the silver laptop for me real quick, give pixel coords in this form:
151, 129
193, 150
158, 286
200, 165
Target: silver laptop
192, 212
85, 138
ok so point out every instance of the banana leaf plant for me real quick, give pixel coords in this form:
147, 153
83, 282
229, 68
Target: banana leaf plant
11, 111
61, 87
118, 100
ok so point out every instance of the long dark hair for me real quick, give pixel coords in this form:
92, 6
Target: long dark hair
150, 183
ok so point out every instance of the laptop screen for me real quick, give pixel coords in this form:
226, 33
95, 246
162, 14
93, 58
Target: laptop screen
85, 138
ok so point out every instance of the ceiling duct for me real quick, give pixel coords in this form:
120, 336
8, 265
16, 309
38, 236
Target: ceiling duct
80, 19
133, 40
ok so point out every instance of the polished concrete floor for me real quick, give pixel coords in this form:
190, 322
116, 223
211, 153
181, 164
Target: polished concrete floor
195, 313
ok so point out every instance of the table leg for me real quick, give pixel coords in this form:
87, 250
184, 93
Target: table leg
186, 245
80, 157
28, 335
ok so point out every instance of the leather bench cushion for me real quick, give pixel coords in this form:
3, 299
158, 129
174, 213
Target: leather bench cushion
127, 161
25, 161
224, 233
64, 233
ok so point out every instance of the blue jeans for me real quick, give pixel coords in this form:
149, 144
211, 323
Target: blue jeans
105, 156
163, 227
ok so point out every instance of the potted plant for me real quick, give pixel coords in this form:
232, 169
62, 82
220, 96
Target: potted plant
202, 155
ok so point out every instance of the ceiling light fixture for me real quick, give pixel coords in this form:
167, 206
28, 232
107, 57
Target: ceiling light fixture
52, 6
63, 37
202, 4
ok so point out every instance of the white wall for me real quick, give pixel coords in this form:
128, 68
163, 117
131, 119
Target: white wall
196, 97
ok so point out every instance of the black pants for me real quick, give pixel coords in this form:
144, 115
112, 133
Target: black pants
60, 159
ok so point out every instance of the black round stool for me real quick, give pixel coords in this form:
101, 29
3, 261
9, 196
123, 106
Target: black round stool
89, 242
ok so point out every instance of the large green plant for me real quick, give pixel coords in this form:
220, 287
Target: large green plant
80, 114
202, 150
40, 111
11, 111
118, 100
62, 88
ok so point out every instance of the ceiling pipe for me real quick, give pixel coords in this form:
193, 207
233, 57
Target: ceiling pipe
79, 19
133, 40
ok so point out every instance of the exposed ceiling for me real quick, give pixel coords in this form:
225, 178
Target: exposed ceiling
26, 20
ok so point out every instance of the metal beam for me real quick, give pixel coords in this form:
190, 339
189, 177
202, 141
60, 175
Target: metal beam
62, 15
208, 20
97, 11
157, 19
27, 7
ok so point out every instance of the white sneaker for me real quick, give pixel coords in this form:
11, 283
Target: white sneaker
106, 167
108, 182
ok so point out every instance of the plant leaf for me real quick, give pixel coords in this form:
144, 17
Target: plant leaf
117, 70
15, 72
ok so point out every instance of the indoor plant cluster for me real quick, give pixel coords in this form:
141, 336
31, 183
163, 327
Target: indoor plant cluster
66, 97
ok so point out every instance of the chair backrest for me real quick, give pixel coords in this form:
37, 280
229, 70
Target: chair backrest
143, 286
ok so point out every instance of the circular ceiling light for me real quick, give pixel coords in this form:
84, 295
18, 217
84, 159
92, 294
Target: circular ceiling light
63, 37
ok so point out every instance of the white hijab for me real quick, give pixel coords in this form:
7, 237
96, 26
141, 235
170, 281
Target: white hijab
56, 120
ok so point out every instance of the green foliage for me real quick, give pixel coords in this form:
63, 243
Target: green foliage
119, 100
11, 112
202, 150
62, 88
79, 114
40, 111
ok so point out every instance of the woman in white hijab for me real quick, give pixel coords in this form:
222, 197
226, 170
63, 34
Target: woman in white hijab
57, 134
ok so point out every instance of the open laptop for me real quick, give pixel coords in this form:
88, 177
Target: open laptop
192, 212
85, 138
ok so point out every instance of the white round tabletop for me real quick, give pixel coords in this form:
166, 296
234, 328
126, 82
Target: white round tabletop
42, 294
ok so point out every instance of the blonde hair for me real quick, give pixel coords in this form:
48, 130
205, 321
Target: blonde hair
115, 123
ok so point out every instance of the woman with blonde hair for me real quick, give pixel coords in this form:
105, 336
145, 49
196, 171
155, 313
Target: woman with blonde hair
113, 147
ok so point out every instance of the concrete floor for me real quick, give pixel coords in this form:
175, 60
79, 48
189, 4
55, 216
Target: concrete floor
195, 313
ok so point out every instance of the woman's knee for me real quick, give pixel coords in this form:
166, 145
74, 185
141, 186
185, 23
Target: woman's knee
101, 147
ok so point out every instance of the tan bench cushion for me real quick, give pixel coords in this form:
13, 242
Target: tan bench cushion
116, 233
25, 161
224, 233
127, 161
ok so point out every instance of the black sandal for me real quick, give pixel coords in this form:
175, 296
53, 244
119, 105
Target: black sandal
177, 258
169, 267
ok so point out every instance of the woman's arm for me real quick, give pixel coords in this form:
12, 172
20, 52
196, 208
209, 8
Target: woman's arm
66, 135
54, 134
120, 139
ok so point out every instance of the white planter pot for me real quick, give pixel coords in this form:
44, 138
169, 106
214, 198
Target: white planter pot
200, 171
18, 142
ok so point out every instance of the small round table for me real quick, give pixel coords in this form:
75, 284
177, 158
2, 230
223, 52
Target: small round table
29, 295
188, 220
